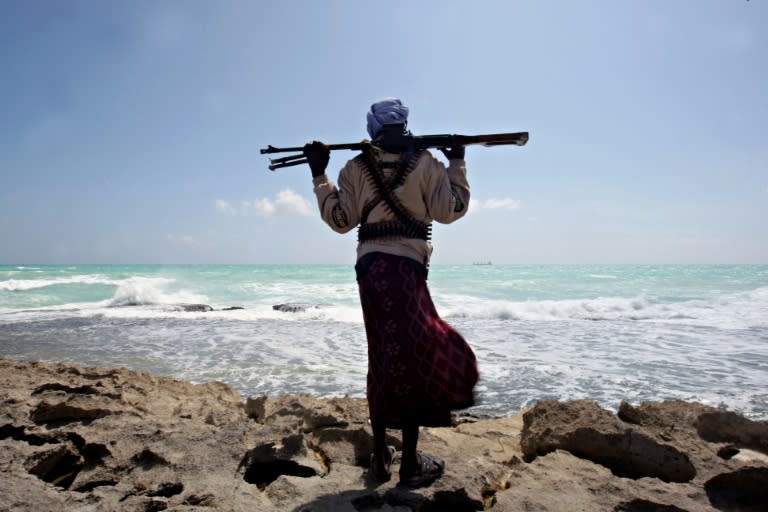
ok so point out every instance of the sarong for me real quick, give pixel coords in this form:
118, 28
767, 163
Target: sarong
419, 367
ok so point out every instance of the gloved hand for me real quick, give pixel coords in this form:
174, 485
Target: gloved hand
453, 153
317, 155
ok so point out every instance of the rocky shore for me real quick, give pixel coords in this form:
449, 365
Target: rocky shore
92, 439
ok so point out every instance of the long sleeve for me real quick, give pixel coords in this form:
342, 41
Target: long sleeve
447, 194
338, 205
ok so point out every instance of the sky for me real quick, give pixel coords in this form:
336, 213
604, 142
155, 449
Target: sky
130, 131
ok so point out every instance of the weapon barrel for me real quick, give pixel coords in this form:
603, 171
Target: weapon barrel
494, 139
451, 140
300, 149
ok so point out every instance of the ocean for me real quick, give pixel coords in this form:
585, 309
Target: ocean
605, 333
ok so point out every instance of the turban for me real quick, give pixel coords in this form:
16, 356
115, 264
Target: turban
386, 111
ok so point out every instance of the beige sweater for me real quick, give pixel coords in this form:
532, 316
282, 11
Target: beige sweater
430, 192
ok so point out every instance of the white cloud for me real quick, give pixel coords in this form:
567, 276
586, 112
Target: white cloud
291, 201
263, 207
285, 202
224, 207
496, 204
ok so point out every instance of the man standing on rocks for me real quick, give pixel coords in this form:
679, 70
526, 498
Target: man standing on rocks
419, 367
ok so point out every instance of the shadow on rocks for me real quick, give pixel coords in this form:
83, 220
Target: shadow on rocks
371, 499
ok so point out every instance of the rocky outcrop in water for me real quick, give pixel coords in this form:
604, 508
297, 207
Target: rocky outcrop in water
189, 308
297, 307
86, 439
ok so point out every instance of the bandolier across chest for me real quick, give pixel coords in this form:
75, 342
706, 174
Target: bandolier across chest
404, 225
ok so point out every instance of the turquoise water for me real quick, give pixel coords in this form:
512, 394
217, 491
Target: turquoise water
605, 333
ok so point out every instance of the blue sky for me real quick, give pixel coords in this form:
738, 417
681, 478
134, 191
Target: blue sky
130, 131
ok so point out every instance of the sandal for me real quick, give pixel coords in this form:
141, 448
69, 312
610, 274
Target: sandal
387, 474
430, 469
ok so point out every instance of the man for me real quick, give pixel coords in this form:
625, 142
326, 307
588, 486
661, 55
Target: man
419, 367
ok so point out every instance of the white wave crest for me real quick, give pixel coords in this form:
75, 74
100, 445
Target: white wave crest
741, 310
147, 291
611, 308
760, 295
20, 285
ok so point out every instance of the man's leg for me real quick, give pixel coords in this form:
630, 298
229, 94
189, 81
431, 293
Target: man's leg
380, 452
417, 469
409, 463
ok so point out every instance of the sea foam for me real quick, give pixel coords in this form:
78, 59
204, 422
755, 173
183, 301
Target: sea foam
18, 285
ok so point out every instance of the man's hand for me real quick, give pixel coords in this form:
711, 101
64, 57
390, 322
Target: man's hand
317, 155
453, 153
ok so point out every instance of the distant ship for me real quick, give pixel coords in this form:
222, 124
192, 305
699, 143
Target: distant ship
482, 263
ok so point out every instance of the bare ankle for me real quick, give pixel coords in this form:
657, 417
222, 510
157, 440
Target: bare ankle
409, 463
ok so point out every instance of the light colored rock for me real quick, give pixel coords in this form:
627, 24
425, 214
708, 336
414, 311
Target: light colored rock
93, 440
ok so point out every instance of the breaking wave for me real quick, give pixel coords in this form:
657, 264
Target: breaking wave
21, 285
742, 310
149, 291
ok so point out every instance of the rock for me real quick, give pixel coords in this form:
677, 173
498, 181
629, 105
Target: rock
194, 308
297, 307
77, 439
745, 489
592, 433
191, 308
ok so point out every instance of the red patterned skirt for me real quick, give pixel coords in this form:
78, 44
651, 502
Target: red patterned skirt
419, 367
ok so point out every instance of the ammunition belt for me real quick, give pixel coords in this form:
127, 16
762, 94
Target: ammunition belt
404, 225
393, 230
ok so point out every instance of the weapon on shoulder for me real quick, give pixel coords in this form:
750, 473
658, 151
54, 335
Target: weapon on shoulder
397, 140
